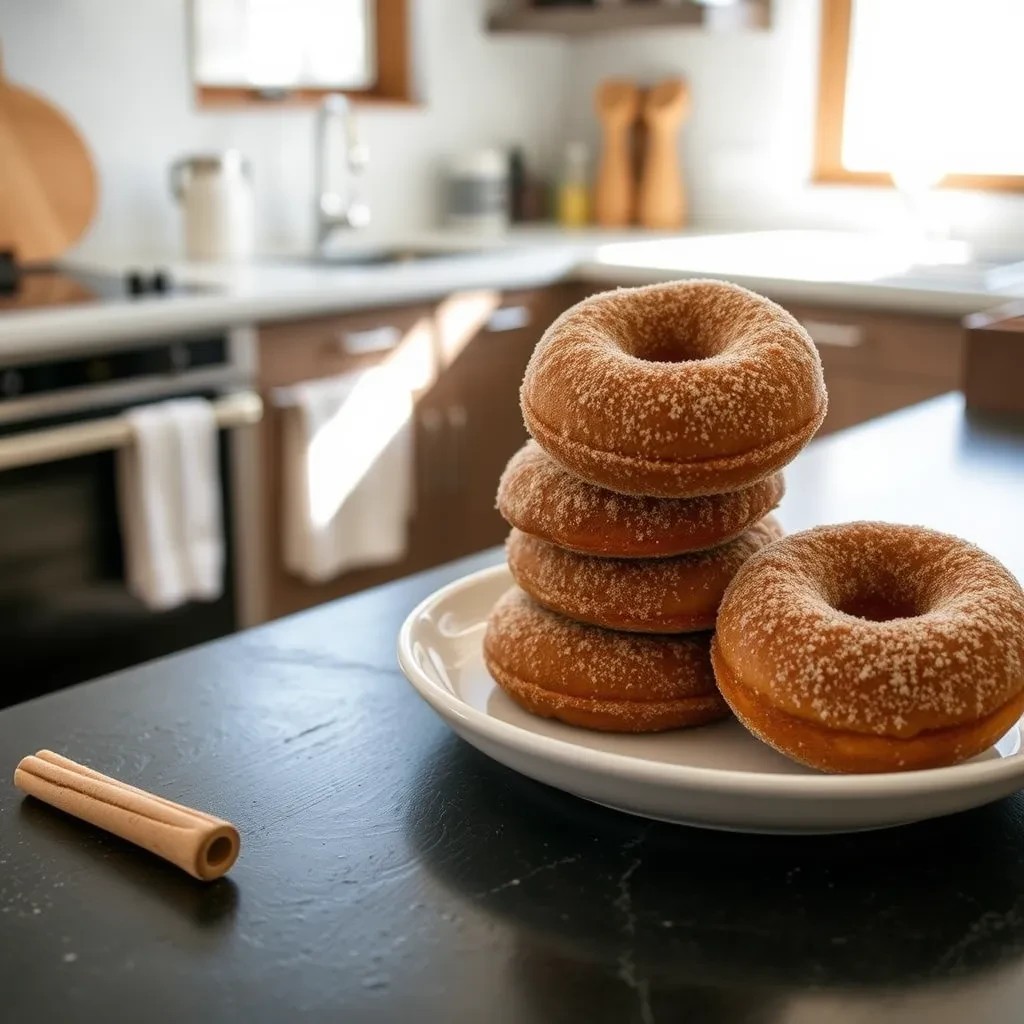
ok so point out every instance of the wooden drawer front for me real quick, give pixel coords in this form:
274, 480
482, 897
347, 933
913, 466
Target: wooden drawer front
474, 324
994, 365
326, 346
929, 347
853, 398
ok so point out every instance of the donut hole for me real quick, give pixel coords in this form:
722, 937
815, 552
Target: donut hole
671, 343
876, 607
664, 329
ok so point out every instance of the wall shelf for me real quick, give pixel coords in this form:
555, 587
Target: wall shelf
583, 20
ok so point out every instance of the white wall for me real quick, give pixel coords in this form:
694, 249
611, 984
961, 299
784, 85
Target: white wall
748, 146
119, 68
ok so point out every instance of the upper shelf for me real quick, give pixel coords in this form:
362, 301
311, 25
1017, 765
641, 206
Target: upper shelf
584, 20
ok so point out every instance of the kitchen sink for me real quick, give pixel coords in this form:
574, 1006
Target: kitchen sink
384, 256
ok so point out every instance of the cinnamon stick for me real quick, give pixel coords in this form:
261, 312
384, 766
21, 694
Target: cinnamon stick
198, 843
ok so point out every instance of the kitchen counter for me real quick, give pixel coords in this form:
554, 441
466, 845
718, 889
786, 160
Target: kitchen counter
389, 872
826, 268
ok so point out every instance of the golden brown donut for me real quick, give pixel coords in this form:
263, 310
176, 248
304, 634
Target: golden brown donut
597, 678
872, 647
538, 497
643, 595
674, 390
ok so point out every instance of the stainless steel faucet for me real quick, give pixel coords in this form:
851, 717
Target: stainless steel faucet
335, 209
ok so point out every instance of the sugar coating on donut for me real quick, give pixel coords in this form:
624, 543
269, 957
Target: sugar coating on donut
689, 370
538, 496
648, 594
573, 659
806, 624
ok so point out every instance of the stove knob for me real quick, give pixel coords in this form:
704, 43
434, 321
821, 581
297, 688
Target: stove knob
134, 282
180, 357
161, 282
11, 384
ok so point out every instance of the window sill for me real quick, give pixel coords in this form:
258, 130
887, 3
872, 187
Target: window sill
881, 179
242, 98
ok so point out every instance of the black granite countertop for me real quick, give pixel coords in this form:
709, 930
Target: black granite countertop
389, 872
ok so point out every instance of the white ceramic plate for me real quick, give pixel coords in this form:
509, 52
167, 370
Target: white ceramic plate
717, 776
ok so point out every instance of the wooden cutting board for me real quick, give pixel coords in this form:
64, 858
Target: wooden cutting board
47, 178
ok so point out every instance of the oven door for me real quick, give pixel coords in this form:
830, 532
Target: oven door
65, 613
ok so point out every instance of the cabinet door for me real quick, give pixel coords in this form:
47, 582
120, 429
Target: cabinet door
315, 349
993, 360
854, 398
876, 363
485, 423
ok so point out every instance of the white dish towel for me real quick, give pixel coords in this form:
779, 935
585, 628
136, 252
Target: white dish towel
347, 474
170, 504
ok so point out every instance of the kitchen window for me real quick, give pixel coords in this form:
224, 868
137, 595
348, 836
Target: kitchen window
294, 51
921, 93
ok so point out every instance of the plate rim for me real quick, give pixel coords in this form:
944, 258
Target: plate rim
731, 780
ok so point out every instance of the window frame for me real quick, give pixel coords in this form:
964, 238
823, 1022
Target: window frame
833, 62
393, 85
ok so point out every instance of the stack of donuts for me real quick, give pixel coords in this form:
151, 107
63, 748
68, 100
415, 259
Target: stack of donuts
661, 418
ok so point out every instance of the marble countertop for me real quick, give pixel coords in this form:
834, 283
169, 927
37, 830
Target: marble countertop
819, 267
390, 872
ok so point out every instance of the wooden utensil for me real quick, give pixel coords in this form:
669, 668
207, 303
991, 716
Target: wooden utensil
47, 178
618, 103
662, 198
198, 843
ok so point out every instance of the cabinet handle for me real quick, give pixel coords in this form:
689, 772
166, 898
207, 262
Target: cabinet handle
834, 335
430, 420
373, 339
508, 318
457, 426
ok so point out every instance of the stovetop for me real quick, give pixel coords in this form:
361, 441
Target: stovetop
37, 287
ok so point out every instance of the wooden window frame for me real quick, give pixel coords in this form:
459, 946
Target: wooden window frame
393, 85
834, 53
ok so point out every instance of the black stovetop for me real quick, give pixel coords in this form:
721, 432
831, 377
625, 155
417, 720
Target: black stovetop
44, 286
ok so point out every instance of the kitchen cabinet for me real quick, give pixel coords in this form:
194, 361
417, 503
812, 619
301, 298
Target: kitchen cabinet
876, 363
993, 362
466, 354
484, 425
314, 349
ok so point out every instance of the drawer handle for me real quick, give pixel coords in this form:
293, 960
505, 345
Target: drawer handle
508, 318
834, 335
373, 339
430, 421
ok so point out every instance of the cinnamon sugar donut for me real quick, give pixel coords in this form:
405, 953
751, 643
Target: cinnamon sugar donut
871, 647
596, 678
674, 390
538, 497
643, 595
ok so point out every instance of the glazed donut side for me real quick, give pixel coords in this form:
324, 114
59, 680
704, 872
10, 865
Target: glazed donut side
674, 390
536, 495
656, 595
873, 647
596, 678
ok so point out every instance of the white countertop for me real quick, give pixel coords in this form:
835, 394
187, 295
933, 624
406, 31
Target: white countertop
814, 267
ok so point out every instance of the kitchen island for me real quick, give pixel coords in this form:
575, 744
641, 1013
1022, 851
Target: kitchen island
389, 872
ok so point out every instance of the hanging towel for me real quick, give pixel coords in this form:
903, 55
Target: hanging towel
170, 504
347, 473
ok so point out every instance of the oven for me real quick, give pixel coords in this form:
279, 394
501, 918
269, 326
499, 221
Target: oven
65, 612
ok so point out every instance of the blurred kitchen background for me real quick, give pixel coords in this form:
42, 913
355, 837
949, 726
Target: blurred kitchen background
271, 271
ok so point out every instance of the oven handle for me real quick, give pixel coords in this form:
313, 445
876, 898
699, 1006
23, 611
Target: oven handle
52, 445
